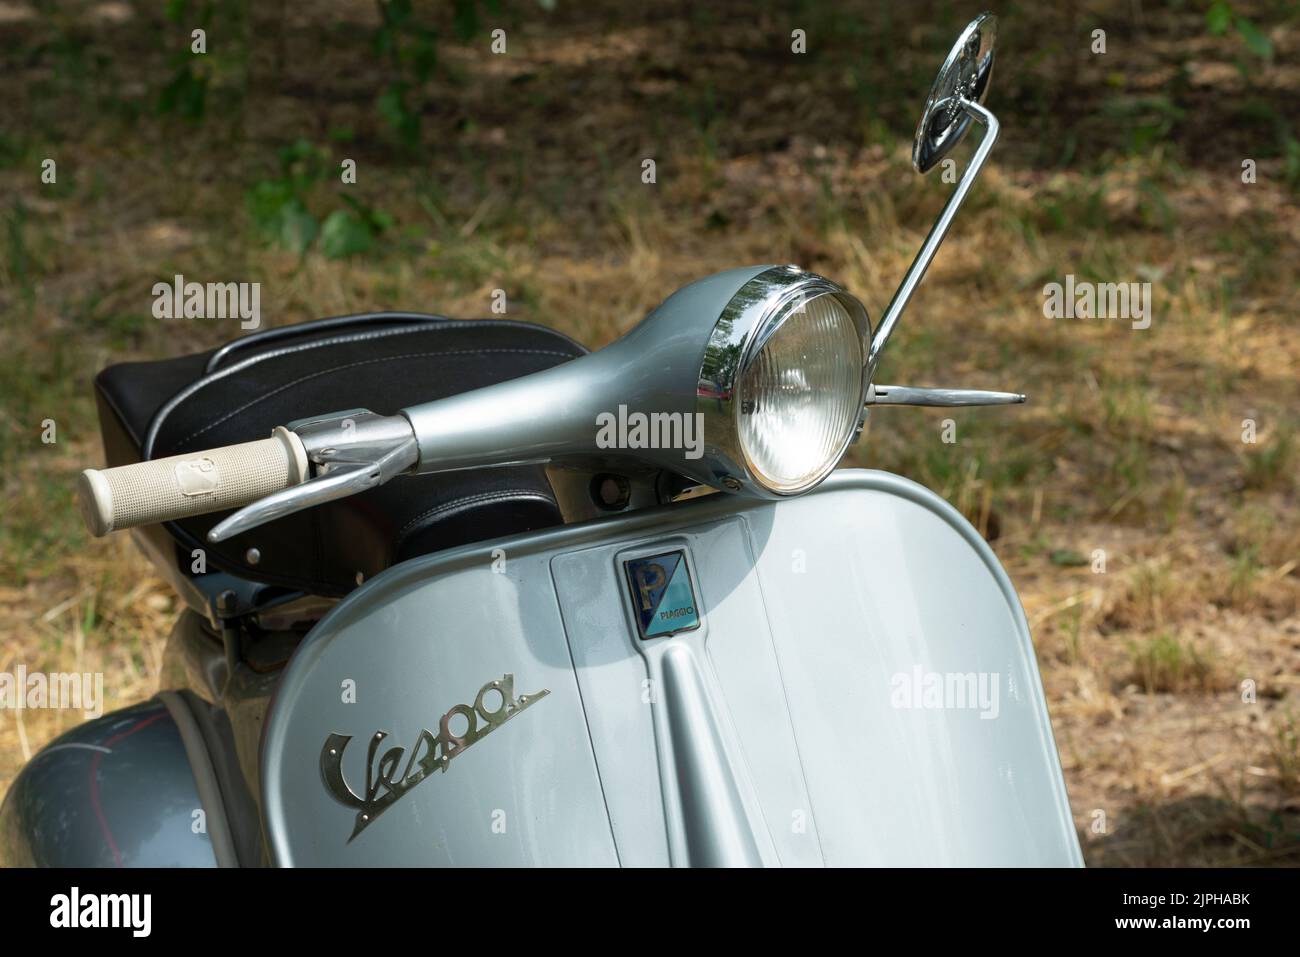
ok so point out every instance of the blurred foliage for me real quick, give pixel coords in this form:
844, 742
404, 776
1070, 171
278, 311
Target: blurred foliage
186, 90
280, 208
1221, 17
410, 43
405, 38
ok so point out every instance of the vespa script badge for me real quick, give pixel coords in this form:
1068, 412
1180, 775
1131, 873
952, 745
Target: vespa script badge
432, 752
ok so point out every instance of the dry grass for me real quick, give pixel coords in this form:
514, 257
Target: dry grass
1131, 444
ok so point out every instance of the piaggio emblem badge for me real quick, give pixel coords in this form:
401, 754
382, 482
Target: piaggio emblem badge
663, 598
432, 752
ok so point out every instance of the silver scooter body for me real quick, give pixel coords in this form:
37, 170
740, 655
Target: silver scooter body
861, 689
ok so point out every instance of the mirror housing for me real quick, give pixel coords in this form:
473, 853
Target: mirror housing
963, 78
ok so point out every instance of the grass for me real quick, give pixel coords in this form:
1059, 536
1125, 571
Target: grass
1286, 752
1271, 464
528, 180
1164, 663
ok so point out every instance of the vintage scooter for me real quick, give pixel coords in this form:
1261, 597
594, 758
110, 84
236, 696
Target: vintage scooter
624, 610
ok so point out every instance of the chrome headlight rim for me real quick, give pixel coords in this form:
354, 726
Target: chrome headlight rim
750, 319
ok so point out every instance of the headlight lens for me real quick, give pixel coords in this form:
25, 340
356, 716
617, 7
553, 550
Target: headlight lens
800, 397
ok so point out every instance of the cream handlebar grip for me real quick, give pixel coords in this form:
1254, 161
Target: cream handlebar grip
163, 490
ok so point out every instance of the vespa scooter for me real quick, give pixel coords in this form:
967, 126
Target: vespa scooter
555, 608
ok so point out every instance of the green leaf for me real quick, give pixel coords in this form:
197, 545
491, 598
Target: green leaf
265, 200
375, 220
1256, 41
296, 228
1067, 557
1218, 18
396, 12
424, 57
303, 164
392, 107
186, 93
344, 235
465, 19
281, 215
1291, 165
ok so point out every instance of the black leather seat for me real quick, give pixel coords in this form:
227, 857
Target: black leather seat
382, 362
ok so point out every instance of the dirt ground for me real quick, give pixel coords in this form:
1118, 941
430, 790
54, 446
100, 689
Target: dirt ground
1144, 500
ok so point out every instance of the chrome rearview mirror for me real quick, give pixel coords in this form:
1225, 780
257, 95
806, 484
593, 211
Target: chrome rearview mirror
963, 78
956, 100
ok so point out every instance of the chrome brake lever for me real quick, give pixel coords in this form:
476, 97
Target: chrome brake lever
350, 451
909, 395
339, 482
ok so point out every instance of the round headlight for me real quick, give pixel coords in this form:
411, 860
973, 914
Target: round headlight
800, 397
781, 383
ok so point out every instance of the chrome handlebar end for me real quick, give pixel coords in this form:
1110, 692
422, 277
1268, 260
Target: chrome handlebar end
349, 452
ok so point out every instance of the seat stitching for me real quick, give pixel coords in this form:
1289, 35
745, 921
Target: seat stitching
218, 374
163, 411
421, 320
446, 323
353, 365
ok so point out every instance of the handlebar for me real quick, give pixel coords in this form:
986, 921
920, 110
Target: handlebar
317, 460
162, 490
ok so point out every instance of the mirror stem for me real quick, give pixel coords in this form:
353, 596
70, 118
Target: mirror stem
937, 232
